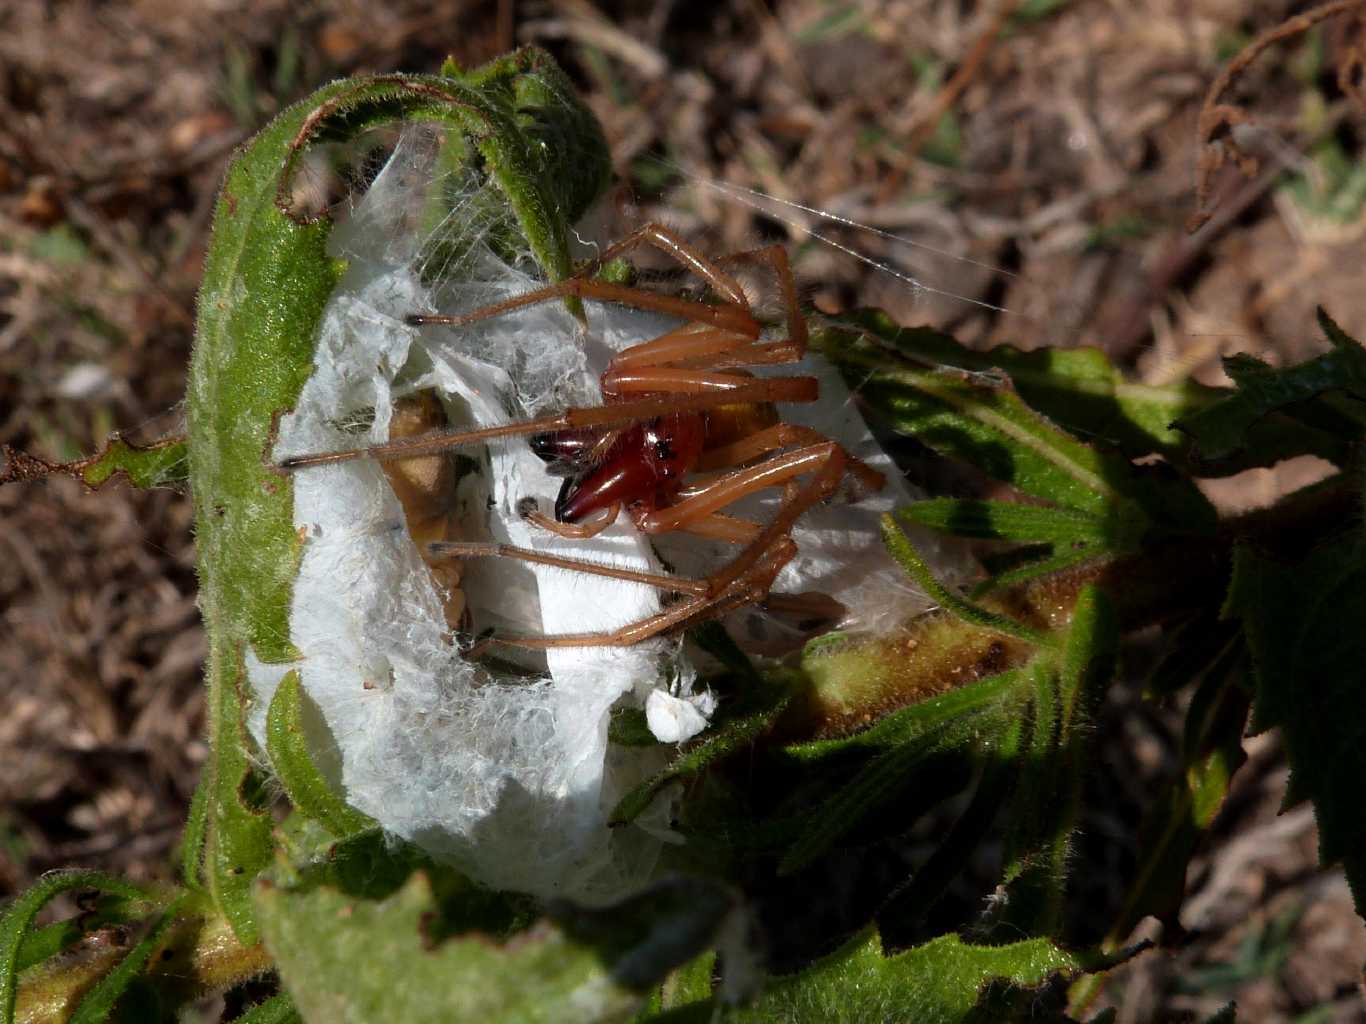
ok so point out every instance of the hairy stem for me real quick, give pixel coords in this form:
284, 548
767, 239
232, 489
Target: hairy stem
201, 956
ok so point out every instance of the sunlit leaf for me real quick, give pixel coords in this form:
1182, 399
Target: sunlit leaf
909, 723
418, 954
164, 464
938, 983
1223, 428
278, 1009
1003, 520
978, 416
1081, 391
345, 959
900, 548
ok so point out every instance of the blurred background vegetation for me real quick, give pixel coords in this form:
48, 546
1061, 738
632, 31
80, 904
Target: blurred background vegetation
1040, 152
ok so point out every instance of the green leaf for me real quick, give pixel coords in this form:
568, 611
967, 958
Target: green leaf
901, 549
976, 719
1006, 520
267, 278
294, 729
731, 732
17, 921
193, 839
981, 421
1303, 624
1047, 805
536, 140
1005, 690
643, 937
278, 1009
365, 865
1212, 753
1224, 427
938, 983
1031, 570
911, 902
691, 983
347, 959
862, 680
978, 416
629, 727
1084, 393
41, 943
164, 464
1077, 388
713, 639
886, 777
98, 1004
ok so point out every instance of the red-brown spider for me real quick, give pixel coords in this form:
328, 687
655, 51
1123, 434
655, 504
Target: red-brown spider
678, 404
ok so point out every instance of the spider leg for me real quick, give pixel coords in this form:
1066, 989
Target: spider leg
707, 346
486, 549
732, 315
687, 346
726, 316
808, 605
827, 463
746, 579
733, 486
572, 531
776, 257
718, 526
667, 241
739, 389
748, 587
784, 435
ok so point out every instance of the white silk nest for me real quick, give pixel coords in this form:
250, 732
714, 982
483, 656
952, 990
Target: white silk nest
507, 775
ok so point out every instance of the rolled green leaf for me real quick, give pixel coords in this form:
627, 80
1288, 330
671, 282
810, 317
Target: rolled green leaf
267, 279
287, 742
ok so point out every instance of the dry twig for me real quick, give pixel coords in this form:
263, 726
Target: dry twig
1214, 130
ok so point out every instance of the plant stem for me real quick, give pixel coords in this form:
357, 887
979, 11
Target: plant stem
201, 956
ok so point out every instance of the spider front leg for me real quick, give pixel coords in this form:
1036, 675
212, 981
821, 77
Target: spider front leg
746, 579
615, 414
